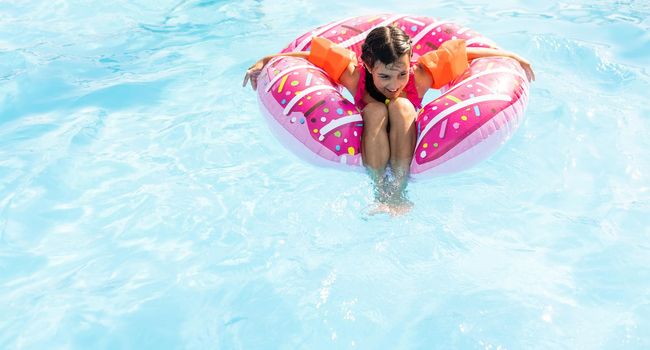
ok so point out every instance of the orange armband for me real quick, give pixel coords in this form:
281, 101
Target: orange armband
331, 58
446, 63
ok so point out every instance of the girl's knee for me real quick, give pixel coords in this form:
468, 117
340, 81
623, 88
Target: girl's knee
401, 112
375, 115
401, 106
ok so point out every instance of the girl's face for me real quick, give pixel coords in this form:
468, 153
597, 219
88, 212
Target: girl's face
391, 79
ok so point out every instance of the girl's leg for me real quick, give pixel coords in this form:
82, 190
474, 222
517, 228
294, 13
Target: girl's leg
375, 148
401, 116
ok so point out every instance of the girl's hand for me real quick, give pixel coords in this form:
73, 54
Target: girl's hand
253, 72
526, 66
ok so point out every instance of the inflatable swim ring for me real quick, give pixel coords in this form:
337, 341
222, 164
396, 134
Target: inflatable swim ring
476, 113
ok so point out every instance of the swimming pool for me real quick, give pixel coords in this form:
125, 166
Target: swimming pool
145, 204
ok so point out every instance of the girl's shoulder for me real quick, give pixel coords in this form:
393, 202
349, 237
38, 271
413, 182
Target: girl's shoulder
422, 79
351, 76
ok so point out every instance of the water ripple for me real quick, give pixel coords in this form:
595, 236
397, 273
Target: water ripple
144, 203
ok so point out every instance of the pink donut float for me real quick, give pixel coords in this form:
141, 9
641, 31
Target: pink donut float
474, 116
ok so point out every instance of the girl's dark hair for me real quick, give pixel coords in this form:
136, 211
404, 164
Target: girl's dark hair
386, 45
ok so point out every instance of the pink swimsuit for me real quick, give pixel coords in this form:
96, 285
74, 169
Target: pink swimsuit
410, 89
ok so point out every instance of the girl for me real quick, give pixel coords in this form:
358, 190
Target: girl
388, 89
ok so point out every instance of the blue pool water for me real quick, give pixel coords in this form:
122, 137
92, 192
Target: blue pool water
144, 204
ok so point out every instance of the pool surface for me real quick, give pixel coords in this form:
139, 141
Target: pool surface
144, 203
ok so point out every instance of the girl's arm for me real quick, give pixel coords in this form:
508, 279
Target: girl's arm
478, 52
338, 62
439, 67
